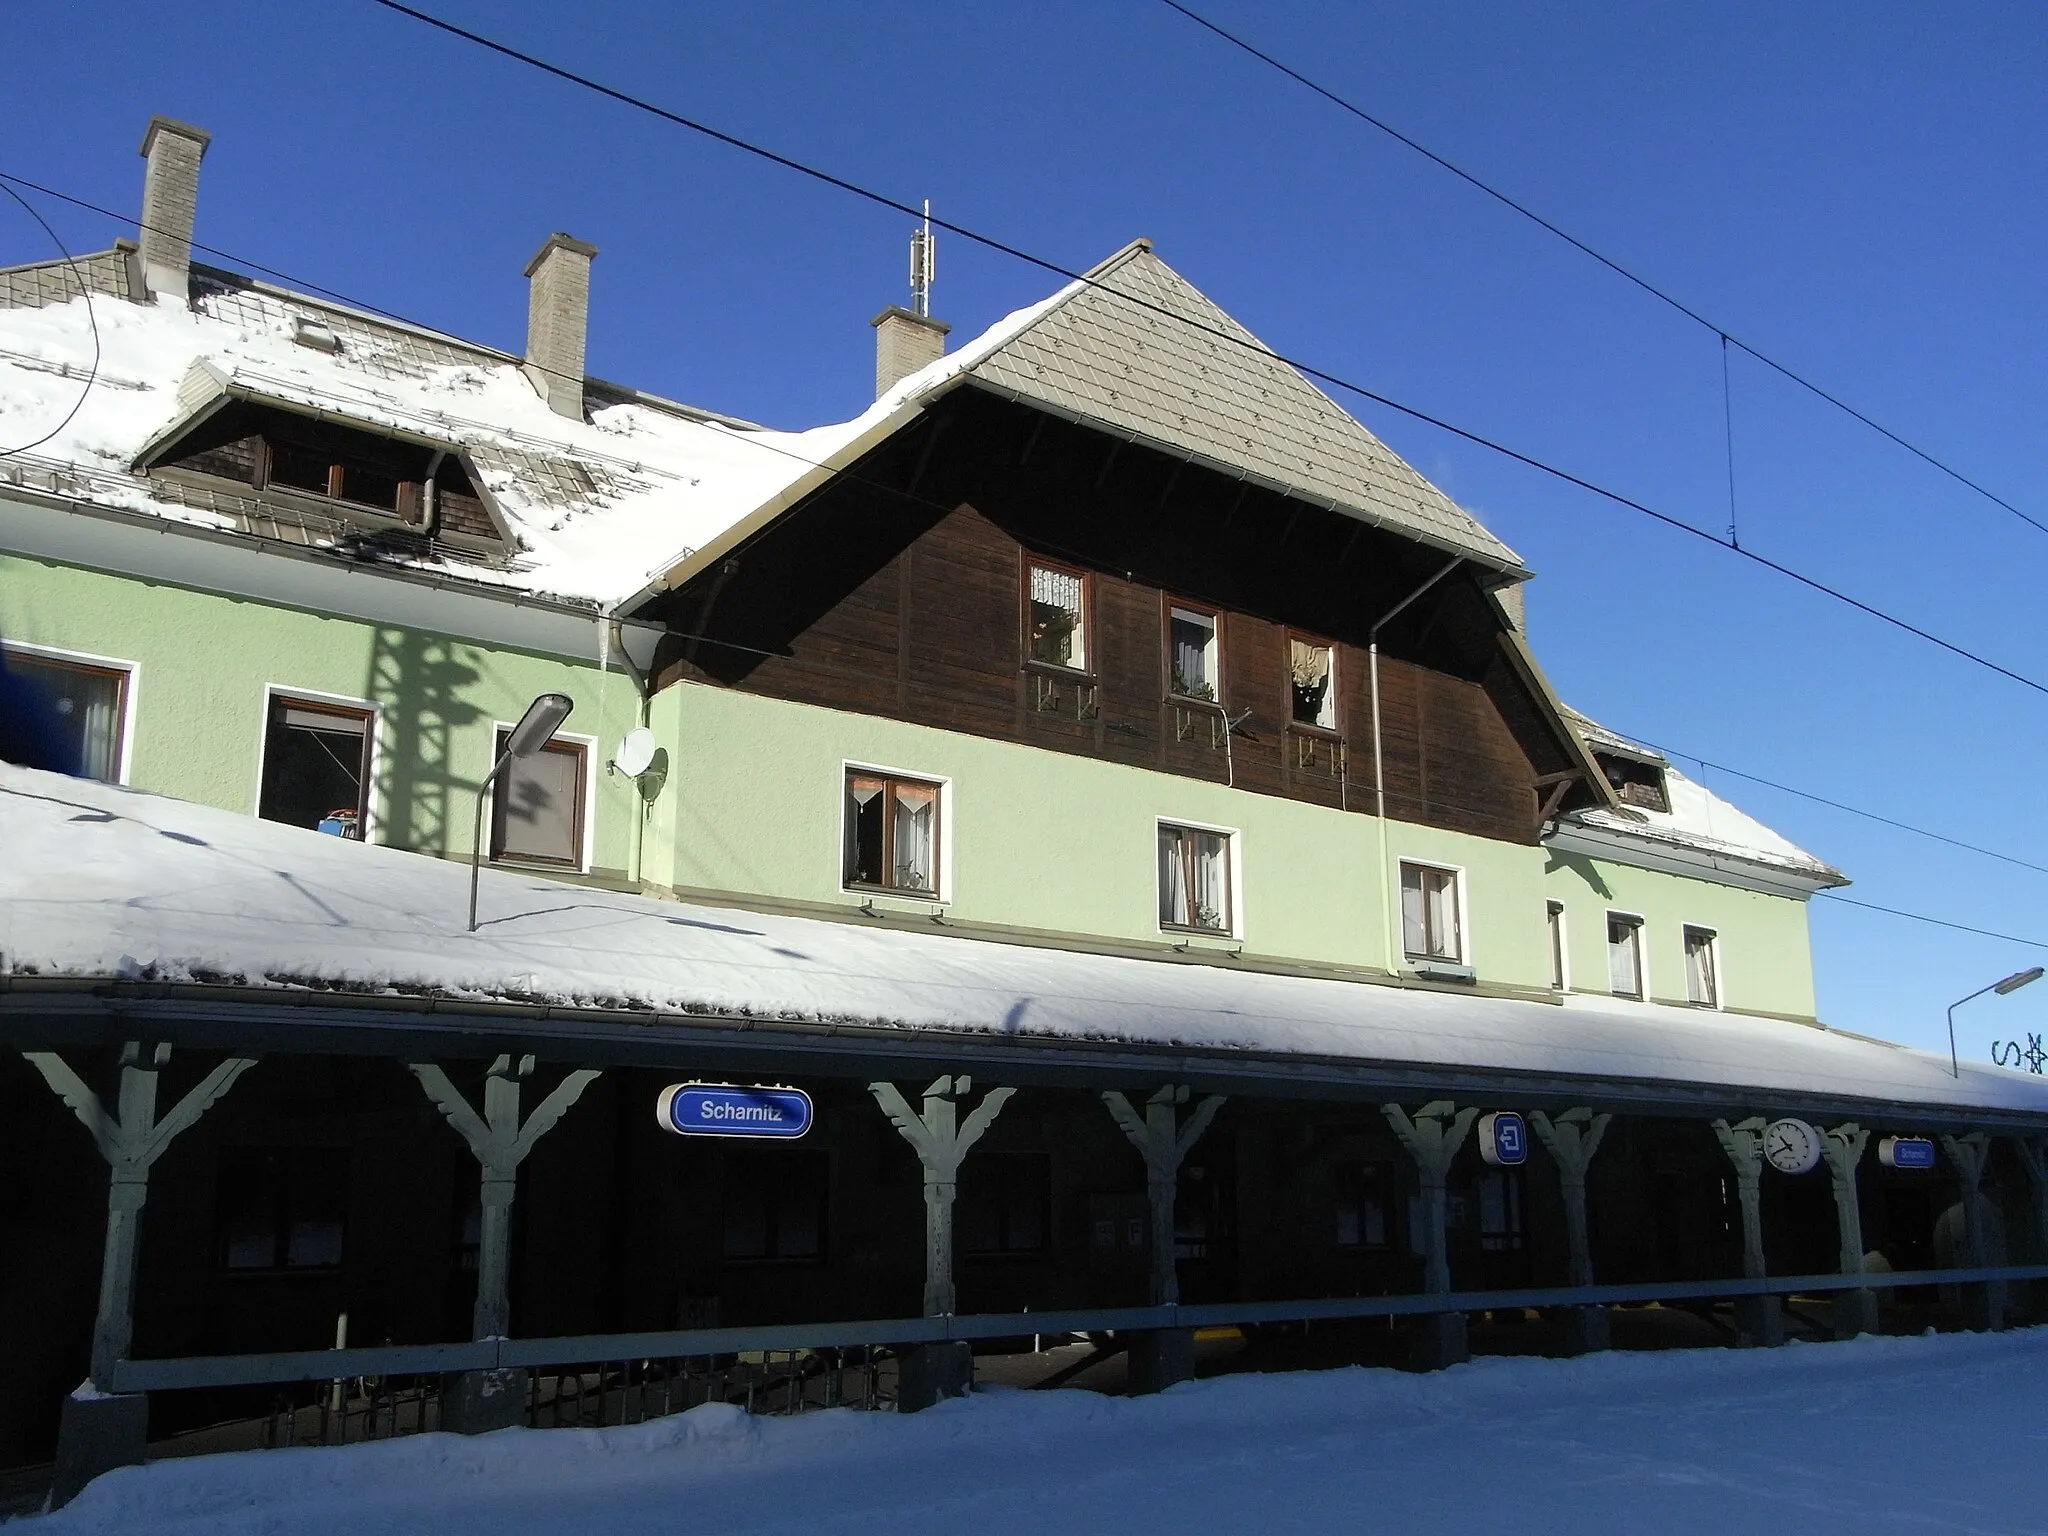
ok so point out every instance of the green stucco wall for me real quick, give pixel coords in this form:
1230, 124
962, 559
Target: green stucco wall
751, 806
203, 663
1765, 953
1048, 841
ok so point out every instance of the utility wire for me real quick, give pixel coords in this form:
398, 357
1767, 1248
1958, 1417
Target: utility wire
1938, 922
1837, 805
91, 319
931, 503
1606, 261
991, 243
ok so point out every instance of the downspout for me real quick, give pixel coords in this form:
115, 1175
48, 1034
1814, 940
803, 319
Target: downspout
1379, 776
612, 637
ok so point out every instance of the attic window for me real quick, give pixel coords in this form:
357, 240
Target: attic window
1636, 781
359, 471
1312, 683
311, 333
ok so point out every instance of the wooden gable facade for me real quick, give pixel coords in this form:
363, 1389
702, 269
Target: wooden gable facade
902, 589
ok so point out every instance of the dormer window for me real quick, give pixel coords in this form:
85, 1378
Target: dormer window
1193, 657
1637, 781
1056, 617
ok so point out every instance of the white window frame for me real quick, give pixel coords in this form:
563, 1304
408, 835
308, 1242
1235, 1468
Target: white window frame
942, 893
1458, 894
588, 791
373, 812
1713, 938
131, 683
1233, 879
1557, 938
1642, 930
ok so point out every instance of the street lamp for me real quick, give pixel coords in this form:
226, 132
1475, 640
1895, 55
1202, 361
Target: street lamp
536, 728
2011, 983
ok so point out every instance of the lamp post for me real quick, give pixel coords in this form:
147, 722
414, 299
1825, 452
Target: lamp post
536, 728
2011, 983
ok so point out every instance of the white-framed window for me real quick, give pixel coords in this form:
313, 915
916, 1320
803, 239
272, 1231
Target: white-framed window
1624, 954
88, 701
1312, 683
1194, 659
1560, 975
1056, 616
1702, 967
1432, 922
540, 805
1195, 880
892, 829
316, 763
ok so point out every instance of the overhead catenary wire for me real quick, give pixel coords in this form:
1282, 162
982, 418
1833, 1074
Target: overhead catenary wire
1336, 381
1660, 294
1938, 922
368, 307
92, 320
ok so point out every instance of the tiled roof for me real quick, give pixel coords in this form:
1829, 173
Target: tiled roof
1128, 367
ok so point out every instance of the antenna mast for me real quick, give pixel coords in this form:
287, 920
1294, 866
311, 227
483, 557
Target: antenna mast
923, 265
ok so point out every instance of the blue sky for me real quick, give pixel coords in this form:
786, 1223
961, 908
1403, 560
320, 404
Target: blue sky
1856, 189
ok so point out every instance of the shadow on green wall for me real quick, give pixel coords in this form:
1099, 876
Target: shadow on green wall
420, 682
1581, 866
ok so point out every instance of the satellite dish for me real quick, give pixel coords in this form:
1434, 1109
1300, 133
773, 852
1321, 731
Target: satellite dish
635, 752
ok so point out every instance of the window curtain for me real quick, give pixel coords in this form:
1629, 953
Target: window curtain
1310, 666
1445, 940
1192, 641
1624, 967
101, 697
863, 830
916, 824
1699, 968
1212, 882
1056, 618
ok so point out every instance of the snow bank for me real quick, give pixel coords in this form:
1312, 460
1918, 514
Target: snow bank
1873, 1437
105, 882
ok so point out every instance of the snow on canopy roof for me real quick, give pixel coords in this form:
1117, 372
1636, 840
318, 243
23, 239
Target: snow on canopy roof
1698, 818
598, 509
105, 882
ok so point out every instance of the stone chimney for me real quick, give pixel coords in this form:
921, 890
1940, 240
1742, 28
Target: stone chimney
905, 342
170, 200
1514, 605
557, 319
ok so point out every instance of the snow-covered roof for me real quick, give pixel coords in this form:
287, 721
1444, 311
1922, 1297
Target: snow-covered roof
599, 510
604, 511
103, 882
1698, 823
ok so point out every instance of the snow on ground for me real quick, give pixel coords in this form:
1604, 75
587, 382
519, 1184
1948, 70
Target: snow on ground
1883, 1435
100, 881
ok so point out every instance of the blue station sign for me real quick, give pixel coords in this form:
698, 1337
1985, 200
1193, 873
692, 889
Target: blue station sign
1914, 1152
720, 1109
1503, 1138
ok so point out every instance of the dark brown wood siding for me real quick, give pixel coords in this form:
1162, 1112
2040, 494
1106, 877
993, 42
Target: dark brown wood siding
933, 634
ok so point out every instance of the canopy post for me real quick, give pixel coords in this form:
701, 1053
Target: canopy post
1433, 1136
1572, 1139
1759, 1320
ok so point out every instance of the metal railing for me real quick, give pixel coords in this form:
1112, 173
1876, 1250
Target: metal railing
863, 1338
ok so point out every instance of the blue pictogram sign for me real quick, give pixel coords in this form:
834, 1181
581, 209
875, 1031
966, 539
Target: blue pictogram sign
1503, 1138
1915, 1152
719, 1109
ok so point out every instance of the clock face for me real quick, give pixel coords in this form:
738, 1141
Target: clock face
1793, 1146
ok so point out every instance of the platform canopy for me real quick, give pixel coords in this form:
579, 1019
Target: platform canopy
105, 890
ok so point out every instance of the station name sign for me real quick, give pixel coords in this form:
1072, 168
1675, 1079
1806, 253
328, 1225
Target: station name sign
1915, 1152
720, 1109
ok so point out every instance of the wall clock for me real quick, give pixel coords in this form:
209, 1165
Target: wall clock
1792, 1146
